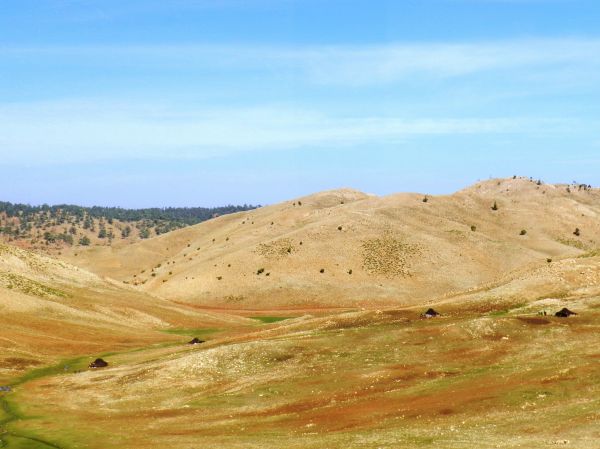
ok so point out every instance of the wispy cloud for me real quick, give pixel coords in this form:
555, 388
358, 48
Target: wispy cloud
352, 66
97, 130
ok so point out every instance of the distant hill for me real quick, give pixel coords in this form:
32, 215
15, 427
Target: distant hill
54, 227
347, 248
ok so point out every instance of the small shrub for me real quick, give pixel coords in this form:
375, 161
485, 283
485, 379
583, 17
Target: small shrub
339, 228
170, 273
260, 271
267, 274
350, 271
153, 274
473, 228
425, 199
523, 232
299, 203
577, 232
549, 260
495, 206
322, 270
219, 278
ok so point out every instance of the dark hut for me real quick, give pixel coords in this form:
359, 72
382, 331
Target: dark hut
564, 313
98, 363
195, 341
430, 313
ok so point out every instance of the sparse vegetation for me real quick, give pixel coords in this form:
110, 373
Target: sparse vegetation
495, 206
523, 232
388, 256
276, 249
577, 232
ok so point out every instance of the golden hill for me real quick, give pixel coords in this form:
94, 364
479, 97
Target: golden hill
496, 369
346, 248
52, 309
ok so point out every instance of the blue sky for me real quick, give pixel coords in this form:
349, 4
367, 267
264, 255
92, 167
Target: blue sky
204, 102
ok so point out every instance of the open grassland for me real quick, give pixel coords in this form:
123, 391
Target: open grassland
311, 316
475, 377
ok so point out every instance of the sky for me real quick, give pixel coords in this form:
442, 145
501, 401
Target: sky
152, 103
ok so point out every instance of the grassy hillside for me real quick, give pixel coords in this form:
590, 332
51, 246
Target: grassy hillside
51, 310
312, 315
345, 248
491, 372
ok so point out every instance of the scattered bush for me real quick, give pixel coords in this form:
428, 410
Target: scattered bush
577, 232
260, 271
495, 206
322, 270
549, 260
523, 232
219, 278
350, 271
425, 199
473, 228
339, 228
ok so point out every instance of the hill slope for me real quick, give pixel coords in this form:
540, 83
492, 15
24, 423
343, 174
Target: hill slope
346, 248
51, 309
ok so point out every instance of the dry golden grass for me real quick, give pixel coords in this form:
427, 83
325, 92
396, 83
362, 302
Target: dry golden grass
399, 249
353, 365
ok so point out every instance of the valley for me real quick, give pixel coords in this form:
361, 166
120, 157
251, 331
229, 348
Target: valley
302, 358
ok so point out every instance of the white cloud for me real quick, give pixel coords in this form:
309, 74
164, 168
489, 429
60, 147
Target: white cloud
86, 131
351, 65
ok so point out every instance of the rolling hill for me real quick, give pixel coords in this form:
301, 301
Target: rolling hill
349, 249
312, 312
